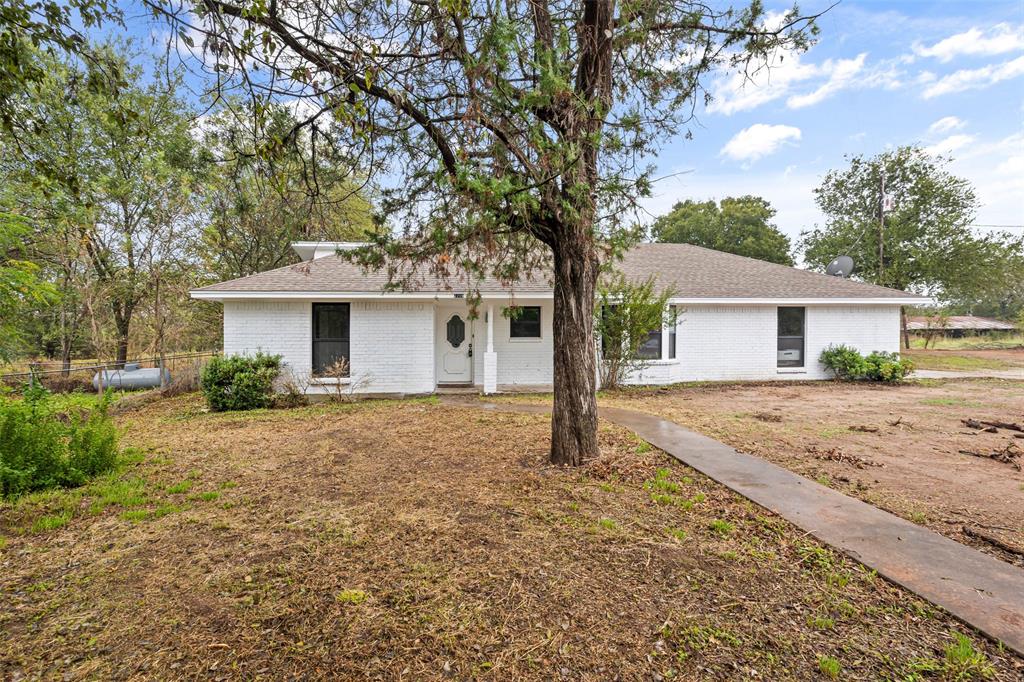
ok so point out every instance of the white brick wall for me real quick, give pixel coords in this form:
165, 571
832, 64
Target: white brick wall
392, 344
520, 361
739, 342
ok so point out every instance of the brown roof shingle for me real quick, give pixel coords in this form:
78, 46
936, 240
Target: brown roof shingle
691, 271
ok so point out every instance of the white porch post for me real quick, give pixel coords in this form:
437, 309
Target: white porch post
664, 340
490, 357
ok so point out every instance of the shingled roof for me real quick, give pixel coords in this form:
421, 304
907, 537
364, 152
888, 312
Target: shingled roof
691, 271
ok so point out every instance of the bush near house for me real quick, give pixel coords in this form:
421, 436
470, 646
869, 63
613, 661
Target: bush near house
45, 446
847, 364
240, 382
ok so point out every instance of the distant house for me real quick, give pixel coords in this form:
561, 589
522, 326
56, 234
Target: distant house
956, 325
734, 318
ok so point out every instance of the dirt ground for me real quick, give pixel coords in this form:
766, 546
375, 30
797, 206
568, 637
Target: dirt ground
899, 448
414, 540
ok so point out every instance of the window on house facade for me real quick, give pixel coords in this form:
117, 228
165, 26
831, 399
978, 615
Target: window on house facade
330, 336
524, 322
650, 349
791, 337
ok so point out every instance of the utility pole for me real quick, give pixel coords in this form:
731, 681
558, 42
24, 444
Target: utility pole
881, 231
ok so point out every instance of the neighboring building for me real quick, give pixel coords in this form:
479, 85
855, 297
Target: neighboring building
956, 325
736, 318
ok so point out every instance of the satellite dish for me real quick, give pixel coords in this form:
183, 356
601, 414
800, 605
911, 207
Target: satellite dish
842, 266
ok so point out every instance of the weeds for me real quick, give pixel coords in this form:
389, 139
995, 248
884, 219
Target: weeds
829, 667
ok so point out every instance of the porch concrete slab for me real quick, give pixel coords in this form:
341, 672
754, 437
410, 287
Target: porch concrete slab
981, 590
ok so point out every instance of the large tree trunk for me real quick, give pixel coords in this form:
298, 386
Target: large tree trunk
574, 416
122, 323
903, 328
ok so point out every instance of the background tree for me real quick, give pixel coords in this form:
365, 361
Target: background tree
21, 289
926, 244
740, 225
125, 190
257, 200
507, 137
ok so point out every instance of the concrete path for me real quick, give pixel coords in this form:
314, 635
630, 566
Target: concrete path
971, 374
980, 590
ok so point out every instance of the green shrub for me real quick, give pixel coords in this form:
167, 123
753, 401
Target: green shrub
887, 367
848, 364
43, 446
844, 362
240, 382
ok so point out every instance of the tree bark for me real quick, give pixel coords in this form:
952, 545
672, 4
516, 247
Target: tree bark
903, 328
574, 415
122, 323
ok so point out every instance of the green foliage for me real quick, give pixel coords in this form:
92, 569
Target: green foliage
21, 287
829, 667
847, 364
43, 447
964, 662
740, 225
240, 382
626, 314
928, 244
258, 199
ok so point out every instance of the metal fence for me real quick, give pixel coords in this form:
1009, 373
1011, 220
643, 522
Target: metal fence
184, 371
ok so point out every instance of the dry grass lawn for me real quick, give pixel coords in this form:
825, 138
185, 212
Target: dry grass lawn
414, 540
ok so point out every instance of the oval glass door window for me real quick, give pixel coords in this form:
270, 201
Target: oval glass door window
456, 331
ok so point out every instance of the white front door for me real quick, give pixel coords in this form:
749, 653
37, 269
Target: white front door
454, 346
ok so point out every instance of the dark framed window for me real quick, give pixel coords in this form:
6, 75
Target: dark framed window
330, 336
650, 349
524, 322
791, 337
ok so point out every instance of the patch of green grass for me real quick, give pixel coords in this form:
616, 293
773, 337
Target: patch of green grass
721, 527
208, 496
964, 662
952, 362
662, 482
951, 402
125, 493
135, 515
829, 667
823, 480
226, 485
351, 597
180, 488
677, 533
607, 524
50, 522
821, 622
3, 542
919, 517
643, 447
699, 637
815, 557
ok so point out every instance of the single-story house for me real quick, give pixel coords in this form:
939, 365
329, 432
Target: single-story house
732, 318
956, 325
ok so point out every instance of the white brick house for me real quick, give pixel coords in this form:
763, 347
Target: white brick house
736, 318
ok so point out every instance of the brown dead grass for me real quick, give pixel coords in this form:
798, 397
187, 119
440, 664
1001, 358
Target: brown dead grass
411, 540
897, 447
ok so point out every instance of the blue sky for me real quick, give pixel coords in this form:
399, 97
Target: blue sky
946, 75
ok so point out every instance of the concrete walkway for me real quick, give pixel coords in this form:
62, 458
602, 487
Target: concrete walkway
980, 590
1017, 374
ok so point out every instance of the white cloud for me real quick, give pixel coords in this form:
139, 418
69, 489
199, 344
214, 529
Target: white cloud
840, 75
759, 140
740, 92
950, 144
972, 79
946, 124
1000, 39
